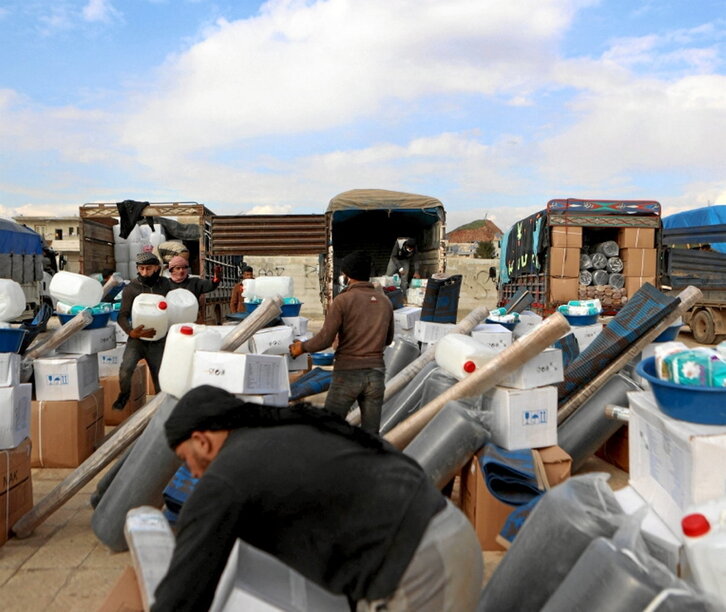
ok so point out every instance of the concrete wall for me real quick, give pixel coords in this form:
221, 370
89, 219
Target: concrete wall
477, 289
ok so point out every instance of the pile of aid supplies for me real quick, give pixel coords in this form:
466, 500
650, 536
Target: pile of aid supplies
75, 293
700, 366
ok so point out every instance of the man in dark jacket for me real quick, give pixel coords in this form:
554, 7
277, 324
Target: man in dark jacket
149, 280
404, 261
362, 318
180, 279
342, 507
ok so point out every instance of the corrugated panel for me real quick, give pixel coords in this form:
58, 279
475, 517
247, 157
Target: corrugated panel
268, 234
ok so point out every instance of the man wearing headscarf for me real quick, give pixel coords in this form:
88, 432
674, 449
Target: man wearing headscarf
180, 279
362, 318
149, 280
404, 261
342, 507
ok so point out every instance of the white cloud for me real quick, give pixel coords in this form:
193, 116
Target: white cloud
99, 11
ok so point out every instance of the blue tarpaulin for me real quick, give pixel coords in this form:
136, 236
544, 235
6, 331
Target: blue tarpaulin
19, 240
708, 215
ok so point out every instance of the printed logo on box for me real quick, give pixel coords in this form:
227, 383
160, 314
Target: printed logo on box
534, 417
57, 379
109, 359
215, 371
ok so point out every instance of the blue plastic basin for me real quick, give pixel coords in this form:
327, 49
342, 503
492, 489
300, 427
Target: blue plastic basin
579, 320
705, 405
509, 326
99, 320
291, 310
11, 339
250, 306
670, 333
323, 358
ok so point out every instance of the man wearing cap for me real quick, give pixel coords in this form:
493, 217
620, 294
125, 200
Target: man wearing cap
362, 318
149, 280
342, 507
404, 261
180, 279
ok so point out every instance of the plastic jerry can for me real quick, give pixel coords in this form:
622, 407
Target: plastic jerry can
704, 535
183, 339
183, 306
461, 355
12, 300
150, 310
268, 287
75, 289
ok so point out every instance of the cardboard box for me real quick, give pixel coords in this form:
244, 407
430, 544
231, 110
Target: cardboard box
16, 486
65, 433
14, 414
638, 262
71, 377
429, 332
121, 336
615, 449
562, 290
299, 325
585, 334
150, 388
125, 596
304, 362
543, 369
267, 399
528, 321
567, 236
109, 361
636, 237
111, 388
564, 262
673, 464
237, 373
9, 369
522, 418
488, 514
633, 283
272, 341
415, 296
89, 341
406, 317
494, 336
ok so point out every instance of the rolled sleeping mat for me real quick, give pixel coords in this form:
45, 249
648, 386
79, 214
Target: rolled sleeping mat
140, 480
600, 277
585, 261
399, 354
615, 264
587, 429
406, 401
585, 277
616, 280
449, 440
105, 481
439, 381
609, 248
599, 261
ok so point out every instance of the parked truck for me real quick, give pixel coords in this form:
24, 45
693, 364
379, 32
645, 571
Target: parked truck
188, 222
695, 254
542, 253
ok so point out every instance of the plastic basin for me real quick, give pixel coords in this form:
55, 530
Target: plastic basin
11, 339
705, 405
578, 320
322, 359
99, 320
114, 315
509, 326
670, 333
250, 306
291, 310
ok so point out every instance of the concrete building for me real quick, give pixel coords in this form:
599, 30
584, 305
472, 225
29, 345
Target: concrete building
465, 240
61, 233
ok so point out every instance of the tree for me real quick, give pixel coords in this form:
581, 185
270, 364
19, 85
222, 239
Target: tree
485, 250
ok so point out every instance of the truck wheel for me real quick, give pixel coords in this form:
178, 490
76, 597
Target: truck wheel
703, 328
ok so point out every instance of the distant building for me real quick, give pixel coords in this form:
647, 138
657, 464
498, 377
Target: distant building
464, 242
61, 233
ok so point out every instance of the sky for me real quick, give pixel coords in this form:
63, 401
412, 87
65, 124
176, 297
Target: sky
494, 107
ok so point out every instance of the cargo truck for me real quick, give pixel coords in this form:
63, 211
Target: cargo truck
542, 253
189, 222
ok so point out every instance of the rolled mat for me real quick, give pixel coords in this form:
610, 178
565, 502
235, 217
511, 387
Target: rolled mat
315, 381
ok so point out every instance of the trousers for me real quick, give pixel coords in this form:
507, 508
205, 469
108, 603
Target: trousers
136, 350
365, 386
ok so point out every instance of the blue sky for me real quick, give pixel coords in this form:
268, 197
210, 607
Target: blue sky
274, 107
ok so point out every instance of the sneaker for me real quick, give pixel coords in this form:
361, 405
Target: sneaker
120, 402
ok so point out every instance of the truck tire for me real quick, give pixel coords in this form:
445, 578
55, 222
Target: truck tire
703, 327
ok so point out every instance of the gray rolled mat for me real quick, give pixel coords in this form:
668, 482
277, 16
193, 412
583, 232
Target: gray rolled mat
599, 261
106, 480
609, 248
585, 277
439, 381
600, 277
139, 482
615, 264
588, 428
616, 280
449, 440
406, 401
559, 529
399, 354
585, 261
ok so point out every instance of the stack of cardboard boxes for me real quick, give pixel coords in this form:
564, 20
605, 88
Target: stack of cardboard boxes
564, 258
16, 489
637, 250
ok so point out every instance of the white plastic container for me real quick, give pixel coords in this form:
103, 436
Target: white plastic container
12, 299
268, 287
122, 267
175, 373
150, 310
134, 250
121, 251
704, 535
183, 306
75, 289
461, 355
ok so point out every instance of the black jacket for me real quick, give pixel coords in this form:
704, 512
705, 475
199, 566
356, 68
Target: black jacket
134, 288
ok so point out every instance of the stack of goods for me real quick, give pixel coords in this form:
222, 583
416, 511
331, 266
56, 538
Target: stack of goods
12, 305
404, 319
602, 266
16, 490
416, 291
700, 367
564, 263
142, 238
637, 250
583, 317
500, 316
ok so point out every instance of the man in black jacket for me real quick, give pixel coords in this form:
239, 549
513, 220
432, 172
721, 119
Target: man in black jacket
337, 504
180, 279
404, 261
149, 280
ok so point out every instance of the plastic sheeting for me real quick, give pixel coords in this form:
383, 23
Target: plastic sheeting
709, 215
